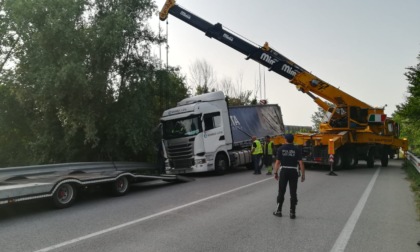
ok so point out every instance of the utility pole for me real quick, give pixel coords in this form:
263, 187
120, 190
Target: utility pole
167, 44
160, 48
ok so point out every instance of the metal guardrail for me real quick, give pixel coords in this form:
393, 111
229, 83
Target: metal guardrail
415, 160
68, 167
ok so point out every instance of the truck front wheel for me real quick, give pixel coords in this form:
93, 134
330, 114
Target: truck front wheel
64, 195
221, 164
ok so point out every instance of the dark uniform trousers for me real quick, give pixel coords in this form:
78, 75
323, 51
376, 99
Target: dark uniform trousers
291, 176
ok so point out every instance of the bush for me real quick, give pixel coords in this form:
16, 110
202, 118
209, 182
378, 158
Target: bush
414, 177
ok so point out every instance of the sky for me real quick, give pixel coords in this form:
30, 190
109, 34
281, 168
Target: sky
362, 47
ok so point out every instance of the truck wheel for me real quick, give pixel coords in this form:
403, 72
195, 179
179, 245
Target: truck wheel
356, 161
120, 186
64, 195
338, 161
370, 159
350, 160
221, 164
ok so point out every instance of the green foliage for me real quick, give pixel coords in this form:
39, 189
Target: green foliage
242, 99
82, 86
318, 116
254, 101
15, 132
202, 76
414, 178
408, 113
203, 89
292, 129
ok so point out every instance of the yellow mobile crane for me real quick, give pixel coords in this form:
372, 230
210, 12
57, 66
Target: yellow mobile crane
351, 130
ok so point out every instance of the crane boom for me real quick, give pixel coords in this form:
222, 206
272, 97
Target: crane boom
266, 56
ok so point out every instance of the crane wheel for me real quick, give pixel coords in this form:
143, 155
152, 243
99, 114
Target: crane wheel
370, 159
384, 159
339, 160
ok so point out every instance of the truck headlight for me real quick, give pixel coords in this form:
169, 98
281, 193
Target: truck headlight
200, 161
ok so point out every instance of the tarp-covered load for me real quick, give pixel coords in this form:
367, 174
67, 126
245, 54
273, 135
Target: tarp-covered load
258, 120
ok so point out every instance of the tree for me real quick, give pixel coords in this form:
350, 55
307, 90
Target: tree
83, 81
408, 113
236, 95
318, 117
15, 130
8, 39
202, 77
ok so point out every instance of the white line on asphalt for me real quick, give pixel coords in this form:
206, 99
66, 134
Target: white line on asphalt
342, 240
144, 218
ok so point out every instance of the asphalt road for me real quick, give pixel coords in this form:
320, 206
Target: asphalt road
358, 210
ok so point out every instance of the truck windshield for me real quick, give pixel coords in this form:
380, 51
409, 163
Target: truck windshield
182, 127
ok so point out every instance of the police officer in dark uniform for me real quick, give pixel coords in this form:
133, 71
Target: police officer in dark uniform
288, 157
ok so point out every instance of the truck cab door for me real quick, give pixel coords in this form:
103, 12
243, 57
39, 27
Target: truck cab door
213, 132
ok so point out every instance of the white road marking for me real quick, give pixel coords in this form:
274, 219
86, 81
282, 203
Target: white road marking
342, 240
66, 243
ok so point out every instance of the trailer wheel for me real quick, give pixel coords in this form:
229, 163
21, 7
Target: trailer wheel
370, 159
221, 165
120, 186
64, 195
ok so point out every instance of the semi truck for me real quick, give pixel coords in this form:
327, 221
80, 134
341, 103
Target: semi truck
62, 183
204, 134
352, 130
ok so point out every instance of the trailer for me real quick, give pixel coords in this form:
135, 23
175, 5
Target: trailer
63, 182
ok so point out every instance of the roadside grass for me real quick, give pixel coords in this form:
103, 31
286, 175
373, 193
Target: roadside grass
414, 177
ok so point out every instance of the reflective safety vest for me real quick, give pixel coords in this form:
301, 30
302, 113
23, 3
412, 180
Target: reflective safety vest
268, 148
258, 149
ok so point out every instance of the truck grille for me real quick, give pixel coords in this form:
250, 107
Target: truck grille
178, 164
180, 155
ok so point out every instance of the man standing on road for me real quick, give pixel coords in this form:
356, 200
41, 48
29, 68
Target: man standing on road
268, 154
256, 152
288, 157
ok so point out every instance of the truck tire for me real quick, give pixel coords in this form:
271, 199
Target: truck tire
339, 161
221, 165
351, 159
64, 195
120, 186
370, 161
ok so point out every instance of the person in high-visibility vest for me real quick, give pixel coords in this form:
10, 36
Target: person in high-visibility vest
257, 153
268, 154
